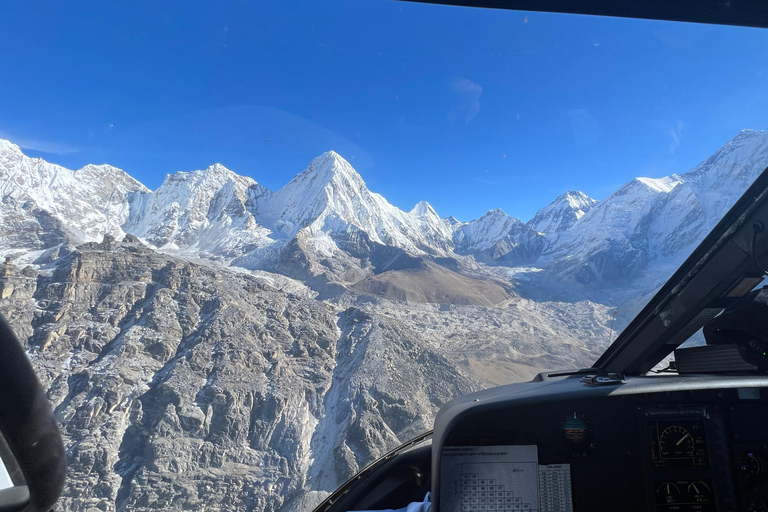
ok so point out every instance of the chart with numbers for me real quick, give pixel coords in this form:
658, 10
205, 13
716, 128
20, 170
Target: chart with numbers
489, 479
501, 479
484, 494
555, 488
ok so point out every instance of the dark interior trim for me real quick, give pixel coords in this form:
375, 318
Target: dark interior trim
719, 12
29, 426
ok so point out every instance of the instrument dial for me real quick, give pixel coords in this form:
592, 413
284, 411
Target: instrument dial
667, 493
577, 430
675, 442
685, 495
751, 466
699, 492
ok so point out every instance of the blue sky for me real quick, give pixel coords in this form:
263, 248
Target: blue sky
469, 109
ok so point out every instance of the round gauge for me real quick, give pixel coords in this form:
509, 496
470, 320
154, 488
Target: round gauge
676, 442
667, 493
750, 465
700, 491
576, 430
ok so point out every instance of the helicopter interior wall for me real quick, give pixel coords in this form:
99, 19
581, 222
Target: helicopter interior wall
392, 485
680, 448
30, 430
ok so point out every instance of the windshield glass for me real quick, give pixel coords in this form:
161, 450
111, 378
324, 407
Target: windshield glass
251, 247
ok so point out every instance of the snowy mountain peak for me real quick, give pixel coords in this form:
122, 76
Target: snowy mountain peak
216, 168
423, 209
106, 175
215, 213
659, 218
328, 187
8, 147
748, 134
35, 173
494, 215
214, 176
734, 161
330, 155
204, 208
330, 167
330, 197
487, 231
578, 199
665, 184
452, 222
434, 230
90, 202
562, 213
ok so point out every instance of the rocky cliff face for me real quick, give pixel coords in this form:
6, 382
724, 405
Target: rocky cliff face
176, 385
183, 386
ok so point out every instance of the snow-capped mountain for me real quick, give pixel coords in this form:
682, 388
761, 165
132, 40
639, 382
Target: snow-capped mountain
650, 220
330, 197
562, 213
436, 231
496, 236
216, 214
210, 212
89, 203
166, 373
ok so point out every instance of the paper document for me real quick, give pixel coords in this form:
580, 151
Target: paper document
489, 479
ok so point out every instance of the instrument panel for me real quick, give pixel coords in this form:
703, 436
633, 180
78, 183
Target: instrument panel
668, 452
678, 444
688, 460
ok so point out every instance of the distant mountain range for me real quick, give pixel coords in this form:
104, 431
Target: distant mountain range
341, 228
216, 345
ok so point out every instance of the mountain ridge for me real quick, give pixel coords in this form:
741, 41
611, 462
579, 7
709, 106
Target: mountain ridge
218, 215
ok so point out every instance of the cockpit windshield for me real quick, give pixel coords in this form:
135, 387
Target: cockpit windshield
252, 247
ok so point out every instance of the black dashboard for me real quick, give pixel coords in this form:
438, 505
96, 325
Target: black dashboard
650, 444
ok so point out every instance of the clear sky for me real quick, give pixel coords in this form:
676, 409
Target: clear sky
469, 109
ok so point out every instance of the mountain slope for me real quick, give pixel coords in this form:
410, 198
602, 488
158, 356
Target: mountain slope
650, 220
432, 283
89, 203
181, 386
185, 385
217, 215
208, 212
562, 213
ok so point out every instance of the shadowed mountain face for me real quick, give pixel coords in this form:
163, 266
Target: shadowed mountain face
213, 344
